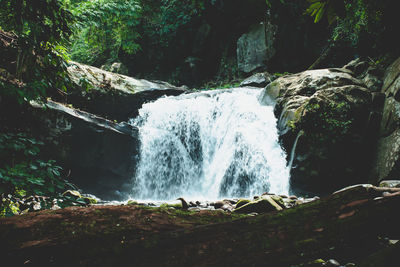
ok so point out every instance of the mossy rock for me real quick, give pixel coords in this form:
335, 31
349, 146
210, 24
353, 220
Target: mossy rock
262, 205
242, 202
132, 202
90, 200
174, 206
278, 200
72, 193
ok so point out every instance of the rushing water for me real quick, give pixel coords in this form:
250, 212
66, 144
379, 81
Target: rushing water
209, 145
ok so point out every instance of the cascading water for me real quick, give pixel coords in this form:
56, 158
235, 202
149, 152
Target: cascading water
209, 145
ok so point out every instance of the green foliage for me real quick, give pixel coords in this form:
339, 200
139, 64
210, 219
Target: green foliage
361, 24
37, 58
104, 29
327, 123
363, 17
23, 172
22, 168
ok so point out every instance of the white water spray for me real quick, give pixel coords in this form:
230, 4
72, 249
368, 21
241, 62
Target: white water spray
209, 145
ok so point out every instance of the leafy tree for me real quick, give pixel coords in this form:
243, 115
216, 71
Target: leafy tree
40, 29
105, 28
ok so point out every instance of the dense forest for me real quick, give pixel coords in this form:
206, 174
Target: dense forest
78, 79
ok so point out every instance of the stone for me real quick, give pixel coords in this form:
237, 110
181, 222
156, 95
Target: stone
328, 114
256, 47
258, 80
72, 193
242, 202
387, 160
332, 262
118, 67
391, 80
111, 95
278, 200
100, 153
390, 183
262, 205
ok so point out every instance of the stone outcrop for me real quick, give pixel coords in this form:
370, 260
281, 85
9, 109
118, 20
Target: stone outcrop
256, 47
112, 95
333, 117
261, 79
262, 205
97, 154
387, 162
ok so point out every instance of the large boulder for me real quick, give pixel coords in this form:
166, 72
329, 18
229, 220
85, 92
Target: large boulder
112, 95
387, 162
256, 47
328, 121
98, 155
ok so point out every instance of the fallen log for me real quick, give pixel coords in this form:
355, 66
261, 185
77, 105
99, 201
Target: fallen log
345, 225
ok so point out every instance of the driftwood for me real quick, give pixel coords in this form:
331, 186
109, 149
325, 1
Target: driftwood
346, 225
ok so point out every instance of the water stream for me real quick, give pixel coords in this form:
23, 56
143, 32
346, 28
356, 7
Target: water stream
209, 145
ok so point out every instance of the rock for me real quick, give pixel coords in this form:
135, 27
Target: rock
131, 202
184, 204
119, 68
315, 263
262, 205
90, 200
332, 262
111, 95
278, 200
328, 114
258, 80
242, 202
72, 193
390, 183
356, 66
225, 205
100, 153
256, 47
391, 80
387, 160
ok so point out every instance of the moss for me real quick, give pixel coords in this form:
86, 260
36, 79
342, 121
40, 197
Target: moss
175, 206
132, 202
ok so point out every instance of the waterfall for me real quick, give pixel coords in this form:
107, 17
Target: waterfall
209, 145
293, 152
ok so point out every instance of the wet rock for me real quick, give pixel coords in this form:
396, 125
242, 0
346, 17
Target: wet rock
390, 183
72, 193
132, 202
225, 205
332, 262
258, 80
218, 204
262, 205
328, 114
387, 161
100, 153
315, 263
242, 202
111, 95
118, 67
278, 200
